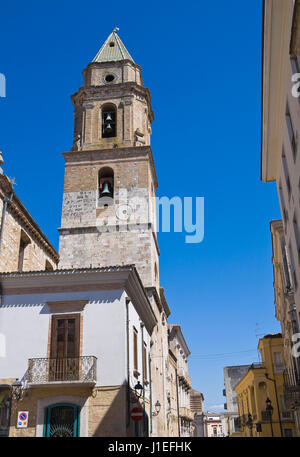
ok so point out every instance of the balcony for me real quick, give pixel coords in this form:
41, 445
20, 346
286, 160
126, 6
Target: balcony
291, 389
286, 416
186, 413
245, 421
62, 371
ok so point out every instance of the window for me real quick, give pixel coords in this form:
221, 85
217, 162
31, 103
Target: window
287, 432
295, 280
278, 362
109, 121
24, 241
286, 172
286, 268
106, 183
135, 349
291, 132
297, 236
145, 362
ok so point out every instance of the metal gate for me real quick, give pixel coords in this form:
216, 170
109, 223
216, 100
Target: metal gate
62, 420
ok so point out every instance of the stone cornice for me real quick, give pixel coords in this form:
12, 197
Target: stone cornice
84, 279
164, 301
126, 89
113, 154
175, 331
118, 63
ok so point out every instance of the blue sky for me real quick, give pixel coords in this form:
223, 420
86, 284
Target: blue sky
202, 64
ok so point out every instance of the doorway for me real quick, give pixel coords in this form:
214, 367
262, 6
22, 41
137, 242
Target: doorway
62, 420
65, 346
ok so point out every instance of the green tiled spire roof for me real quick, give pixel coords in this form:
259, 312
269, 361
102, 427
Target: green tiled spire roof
113, 49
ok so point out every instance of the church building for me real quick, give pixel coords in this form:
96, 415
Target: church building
95, 345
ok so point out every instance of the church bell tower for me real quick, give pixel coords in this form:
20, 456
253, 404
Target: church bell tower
109, 214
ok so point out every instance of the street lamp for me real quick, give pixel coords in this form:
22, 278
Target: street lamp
138, 388
276, 394
157, 407
249, 423
269, 409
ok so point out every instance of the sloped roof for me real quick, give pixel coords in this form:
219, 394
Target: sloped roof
113, 50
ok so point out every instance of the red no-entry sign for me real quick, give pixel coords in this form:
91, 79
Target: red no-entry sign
136, 414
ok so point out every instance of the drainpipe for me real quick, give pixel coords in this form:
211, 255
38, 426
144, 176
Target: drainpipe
6, 201
276, 396
128, 368
150, 385
177, 397
143, 374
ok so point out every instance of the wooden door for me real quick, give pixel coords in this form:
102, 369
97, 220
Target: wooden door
64, 354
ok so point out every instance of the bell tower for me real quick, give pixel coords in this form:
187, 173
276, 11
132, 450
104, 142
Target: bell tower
109, 215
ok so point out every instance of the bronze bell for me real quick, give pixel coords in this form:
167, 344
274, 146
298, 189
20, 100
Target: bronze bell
106, 190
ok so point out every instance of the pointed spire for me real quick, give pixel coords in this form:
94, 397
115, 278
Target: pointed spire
113, 49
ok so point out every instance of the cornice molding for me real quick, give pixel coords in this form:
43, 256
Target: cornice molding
85, 279
119, 90
89, 156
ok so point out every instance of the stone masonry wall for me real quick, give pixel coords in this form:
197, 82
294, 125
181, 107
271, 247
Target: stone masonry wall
93, 234
35, 255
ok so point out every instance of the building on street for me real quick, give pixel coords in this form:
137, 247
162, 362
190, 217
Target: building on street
196, 406
97, 358
180, 350
280, 163
260, 394
232, 376
213, 427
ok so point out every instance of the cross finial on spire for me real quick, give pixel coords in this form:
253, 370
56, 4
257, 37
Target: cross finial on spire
116, 29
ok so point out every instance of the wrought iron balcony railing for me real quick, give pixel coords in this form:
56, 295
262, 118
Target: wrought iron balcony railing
291, 388
75, 369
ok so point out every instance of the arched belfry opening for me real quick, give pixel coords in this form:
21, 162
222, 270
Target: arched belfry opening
109, 121
106, 183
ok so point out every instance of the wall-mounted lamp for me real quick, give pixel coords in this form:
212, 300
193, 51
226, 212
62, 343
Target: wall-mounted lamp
138, 389
157, 407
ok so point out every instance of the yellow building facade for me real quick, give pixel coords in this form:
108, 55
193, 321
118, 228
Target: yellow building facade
260, 394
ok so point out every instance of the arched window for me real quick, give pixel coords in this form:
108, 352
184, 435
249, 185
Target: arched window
109, 121
106, 183
62, 420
